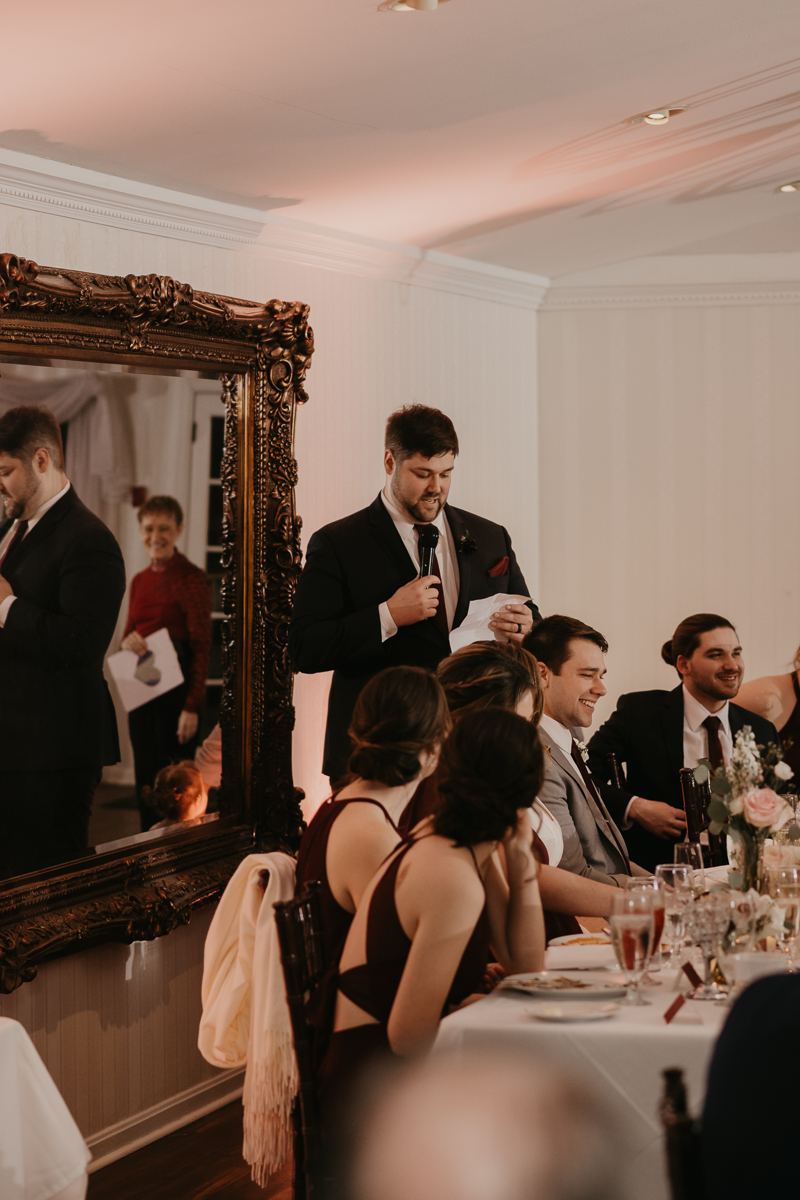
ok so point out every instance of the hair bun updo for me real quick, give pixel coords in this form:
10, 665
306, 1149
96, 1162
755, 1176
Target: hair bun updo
666, 653
400, 713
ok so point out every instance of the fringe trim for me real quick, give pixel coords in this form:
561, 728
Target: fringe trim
270, 1087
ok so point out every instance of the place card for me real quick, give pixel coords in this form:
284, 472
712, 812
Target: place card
691, 975
674, 1008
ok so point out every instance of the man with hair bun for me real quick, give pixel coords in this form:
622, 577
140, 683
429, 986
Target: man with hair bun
658, 732
62, 580
360, 605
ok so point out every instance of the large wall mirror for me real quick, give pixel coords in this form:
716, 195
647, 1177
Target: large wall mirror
161, 390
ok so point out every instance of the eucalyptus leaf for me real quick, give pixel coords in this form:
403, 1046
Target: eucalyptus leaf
701, 773
735, 880
720, 785
734, 834
718, 811
716, 827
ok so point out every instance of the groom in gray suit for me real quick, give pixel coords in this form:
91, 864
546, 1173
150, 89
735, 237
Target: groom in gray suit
572, 664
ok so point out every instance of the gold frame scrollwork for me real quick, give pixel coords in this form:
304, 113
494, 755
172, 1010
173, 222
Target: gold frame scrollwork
262, 353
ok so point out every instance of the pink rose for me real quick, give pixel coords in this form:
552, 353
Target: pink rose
764, 808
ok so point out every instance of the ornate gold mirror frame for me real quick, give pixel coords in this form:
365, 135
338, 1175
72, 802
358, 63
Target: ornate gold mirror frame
261, 353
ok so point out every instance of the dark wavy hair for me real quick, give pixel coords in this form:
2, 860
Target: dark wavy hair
490, 675
549, 640
175, 790
686, 637
417, 429
23, 430
399, 713
492, 765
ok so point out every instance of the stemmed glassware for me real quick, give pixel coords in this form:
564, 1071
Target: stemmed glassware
784, 887
654, 888
632, 924
690, 854
707, 922
678, 887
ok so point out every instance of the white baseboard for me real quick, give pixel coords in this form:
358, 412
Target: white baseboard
131, 1134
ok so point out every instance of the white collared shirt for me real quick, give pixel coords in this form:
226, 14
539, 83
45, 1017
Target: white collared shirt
695, 737
557, 733
445, 556
6, 542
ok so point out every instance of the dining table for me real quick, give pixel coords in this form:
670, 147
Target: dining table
621, 1059
42, 1153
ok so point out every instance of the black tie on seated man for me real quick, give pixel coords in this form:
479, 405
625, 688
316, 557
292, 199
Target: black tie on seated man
360, 606
658, 732
62, 580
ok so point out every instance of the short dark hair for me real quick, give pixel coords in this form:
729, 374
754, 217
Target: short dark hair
492, 765
28, 428
490, 675
175, 790
686, 637
398, 714
549, 640
417, 429
167, 505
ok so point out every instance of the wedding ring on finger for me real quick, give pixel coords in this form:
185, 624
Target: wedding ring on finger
519, 628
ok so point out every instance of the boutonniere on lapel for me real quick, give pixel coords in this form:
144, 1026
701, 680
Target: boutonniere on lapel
500, 568
582, 749
466, 544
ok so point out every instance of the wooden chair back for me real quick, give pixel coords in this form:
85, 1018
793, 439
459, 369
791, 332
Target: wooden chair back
682, 1140
304, 961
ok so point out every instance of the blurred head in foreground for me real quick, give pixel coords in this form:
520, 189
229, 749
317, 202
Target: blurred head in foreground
487, 1125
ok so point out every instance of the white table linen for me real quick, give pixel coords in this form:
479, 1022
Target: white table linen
621, 1059
42, 1153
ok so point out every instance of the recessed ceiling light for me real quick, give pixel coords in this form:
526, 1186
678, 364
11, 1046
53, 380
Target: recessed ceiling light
409, 5
790, 187
657, 116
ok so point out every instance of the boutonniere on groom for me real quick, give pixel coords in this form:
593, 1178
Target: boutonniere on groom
466, 544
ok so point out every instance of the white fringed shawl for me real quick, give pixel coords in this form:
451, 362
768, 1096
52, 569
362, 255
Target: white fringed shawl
245, 1015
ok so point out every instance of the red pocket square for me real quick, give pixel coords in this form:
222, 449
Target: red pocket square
499, 568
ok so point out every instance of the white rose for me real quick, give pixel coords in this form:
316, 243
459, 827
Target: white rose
783, 770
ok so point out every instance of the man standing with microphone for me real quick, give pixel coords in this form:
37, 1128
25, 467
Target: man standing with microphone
385, 586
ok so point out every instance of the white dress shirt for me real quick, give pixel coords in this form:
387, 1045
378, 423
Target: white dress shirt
6, 542
695, 737
445, 556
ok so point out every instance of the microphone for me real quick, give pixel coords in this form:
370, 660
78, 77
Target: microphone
428, 537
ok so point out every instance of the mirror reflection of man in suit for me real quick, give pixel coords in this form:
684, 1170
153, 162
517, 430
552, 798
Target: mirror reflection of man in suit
62, 580
656, 733
572, 663
360, 605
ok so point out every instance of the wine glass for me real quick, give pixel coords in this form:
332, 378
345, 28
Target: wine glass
632, 925
691, 854
678, 881
784, 887
707, 921
740, 936
652, 886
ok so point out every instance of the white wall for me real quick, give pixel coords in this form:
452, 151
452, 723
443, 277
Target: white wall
669, 482
392, 327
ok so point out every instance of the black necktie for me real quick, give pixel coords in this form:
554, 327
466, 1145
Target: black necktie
441, 611
19, 534
713, 726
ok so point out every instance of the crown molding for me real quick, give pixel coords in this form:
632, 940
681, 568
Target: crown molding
43, 185
692, 295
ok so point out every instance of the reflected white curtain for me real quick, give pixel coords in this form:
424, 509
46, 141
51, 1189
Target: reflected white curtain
94, 461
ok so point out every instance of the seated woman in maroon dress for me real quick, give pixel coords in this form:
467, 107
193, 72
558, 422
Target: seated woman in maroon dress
398, 725
420, 939
487, 675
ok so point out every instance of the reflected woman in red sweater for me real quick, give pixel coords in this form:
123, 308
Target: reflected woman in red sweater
170, 594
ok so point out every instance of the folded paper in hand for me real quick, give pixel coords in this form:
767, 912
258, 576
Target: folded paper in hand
140, 679
475, 626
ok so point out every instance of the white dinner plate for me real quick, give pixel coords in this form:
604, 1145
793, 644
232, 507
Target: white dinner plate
567, 985
576, 1011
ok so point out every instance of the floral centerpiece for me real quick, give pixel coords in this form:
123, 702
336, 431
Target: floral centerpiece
747, 802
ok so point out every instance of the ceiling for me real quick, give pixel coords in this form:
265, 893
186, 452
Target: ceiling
492, 129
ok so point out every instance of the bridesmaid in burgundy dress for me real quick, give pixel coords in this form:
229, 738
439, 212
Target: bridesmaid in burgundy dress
420, 939
398, 725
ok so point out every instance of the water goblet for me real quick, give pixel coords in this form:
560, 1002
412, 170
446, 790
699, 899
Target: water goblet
655, 888
707, 921
678, 881
784, 887
691, 855
632, 926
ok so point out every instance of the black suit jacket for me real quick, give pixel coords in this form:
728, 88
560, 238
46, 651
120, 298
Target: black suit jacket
646, 732
56, 711
353, 566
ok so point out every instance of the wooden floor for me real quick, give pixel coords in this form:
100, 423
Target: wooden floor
199, 1161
